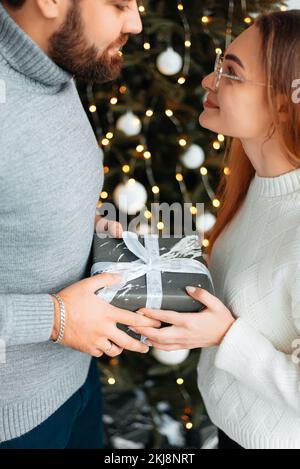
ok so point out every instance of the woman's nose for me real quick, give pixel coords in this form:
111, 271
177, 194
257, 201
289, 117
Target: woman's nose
208, 82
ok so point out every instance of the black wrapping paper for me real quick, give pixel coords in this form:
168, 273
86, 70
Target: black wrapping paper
134, 294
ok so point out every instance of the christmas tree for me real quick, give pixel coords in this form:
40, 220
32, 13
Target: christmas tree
155, 151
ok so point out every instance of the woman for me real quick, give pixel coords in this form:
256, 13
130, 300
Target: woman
248, 372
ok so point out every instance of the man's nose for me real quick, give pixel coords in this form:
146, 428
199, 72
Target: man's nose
133, 23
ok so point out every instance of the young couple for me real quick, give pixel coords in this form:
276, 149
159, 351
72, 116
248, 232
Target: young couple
50, 180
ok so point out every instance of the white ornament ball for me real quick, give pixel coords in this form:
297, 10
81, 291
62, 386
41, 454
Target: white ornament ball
193, 157
130, 197
173, 357
130, 124
169, 62
205, 222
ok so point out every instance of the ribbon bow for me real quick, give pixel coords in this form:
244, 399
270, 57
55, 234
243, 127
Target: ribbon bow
149, 263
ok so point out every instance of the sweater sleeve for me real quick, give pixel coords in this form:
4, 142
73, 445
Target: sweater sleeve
252, 359
26, 319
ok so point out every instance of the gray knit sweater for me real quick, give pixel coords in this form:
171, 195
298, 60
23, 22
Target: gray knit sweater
50, 180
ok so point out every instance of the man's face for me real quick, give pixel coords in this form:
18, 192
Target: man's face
88, 42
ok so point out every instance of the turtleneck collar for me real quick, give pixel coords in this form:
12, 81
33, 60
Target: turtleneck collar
25, 56
276, 186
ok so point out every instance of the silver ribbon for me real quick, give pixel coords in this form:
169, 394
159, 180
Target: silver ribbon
149, 263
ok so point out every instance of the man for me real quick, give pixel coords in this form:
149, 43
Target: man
50, 180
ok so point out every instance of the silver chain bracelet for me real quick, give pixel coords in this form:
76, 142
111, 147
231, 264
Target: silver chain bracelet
62, 312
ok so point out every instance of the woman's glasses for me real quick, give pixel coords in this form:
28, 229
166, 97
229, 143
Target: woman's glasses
218, 70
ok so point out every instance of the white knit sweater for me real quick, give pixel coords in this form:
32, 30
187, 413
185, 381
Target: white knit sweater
250, 383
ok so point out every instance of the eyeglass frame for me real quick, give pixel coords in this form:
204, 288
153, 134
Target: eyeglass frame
218, 70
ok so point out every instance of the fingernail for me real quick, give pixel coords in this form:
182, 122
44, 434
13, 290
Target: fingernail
146, 351
190, 289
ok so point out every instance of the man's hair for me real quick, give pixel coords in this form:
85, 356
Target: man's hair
14, 3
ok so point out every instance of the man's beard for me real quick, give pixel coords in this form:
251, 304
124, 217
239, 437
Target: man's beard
68, 48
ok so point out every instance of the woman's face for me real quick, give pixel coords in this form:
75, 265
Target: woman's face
241, 108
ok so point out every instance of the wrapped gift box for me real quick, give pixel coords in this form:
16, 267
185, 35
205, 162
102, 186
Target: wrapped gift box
155, 271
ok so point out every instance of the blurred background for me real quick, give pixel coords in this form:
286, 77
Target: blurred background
154, 150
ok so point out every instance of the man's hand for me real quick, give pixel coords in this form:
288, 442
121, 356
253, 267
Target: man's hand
91, 323
113, 228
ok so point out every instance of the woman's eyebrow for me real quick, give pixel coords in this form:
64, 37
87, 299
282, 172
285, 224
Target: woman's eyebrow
235, 59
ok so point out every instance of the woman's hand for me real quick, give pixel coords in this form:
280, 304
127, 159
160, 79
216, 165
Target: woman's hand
189, 330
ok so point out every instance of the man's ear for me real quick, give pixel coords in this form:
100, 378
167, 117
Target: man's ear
50, 9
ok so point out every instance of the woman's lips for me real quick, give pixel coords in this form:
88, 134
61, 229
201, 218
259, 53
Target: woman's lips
208, 103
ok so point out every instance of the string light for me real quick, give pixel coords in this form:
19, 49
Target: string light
169, 112
248, 20
179, 177
180, 7
111, 381
93, 108
105, 142
182, 142
155, 190
113, 100
109, 135
104, 195
160, 225
205, 19
188, 410
149, 113
205, 243
221, 138
216, 203
106, 169
218, 50
114, 361
122, 89
187, 43
180, 381
140, 148
141, 9
147, 155
147, 45
147, 214
217, 145
181, 80
193, 210
203, 171
125, 168
189, 425
227, 171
